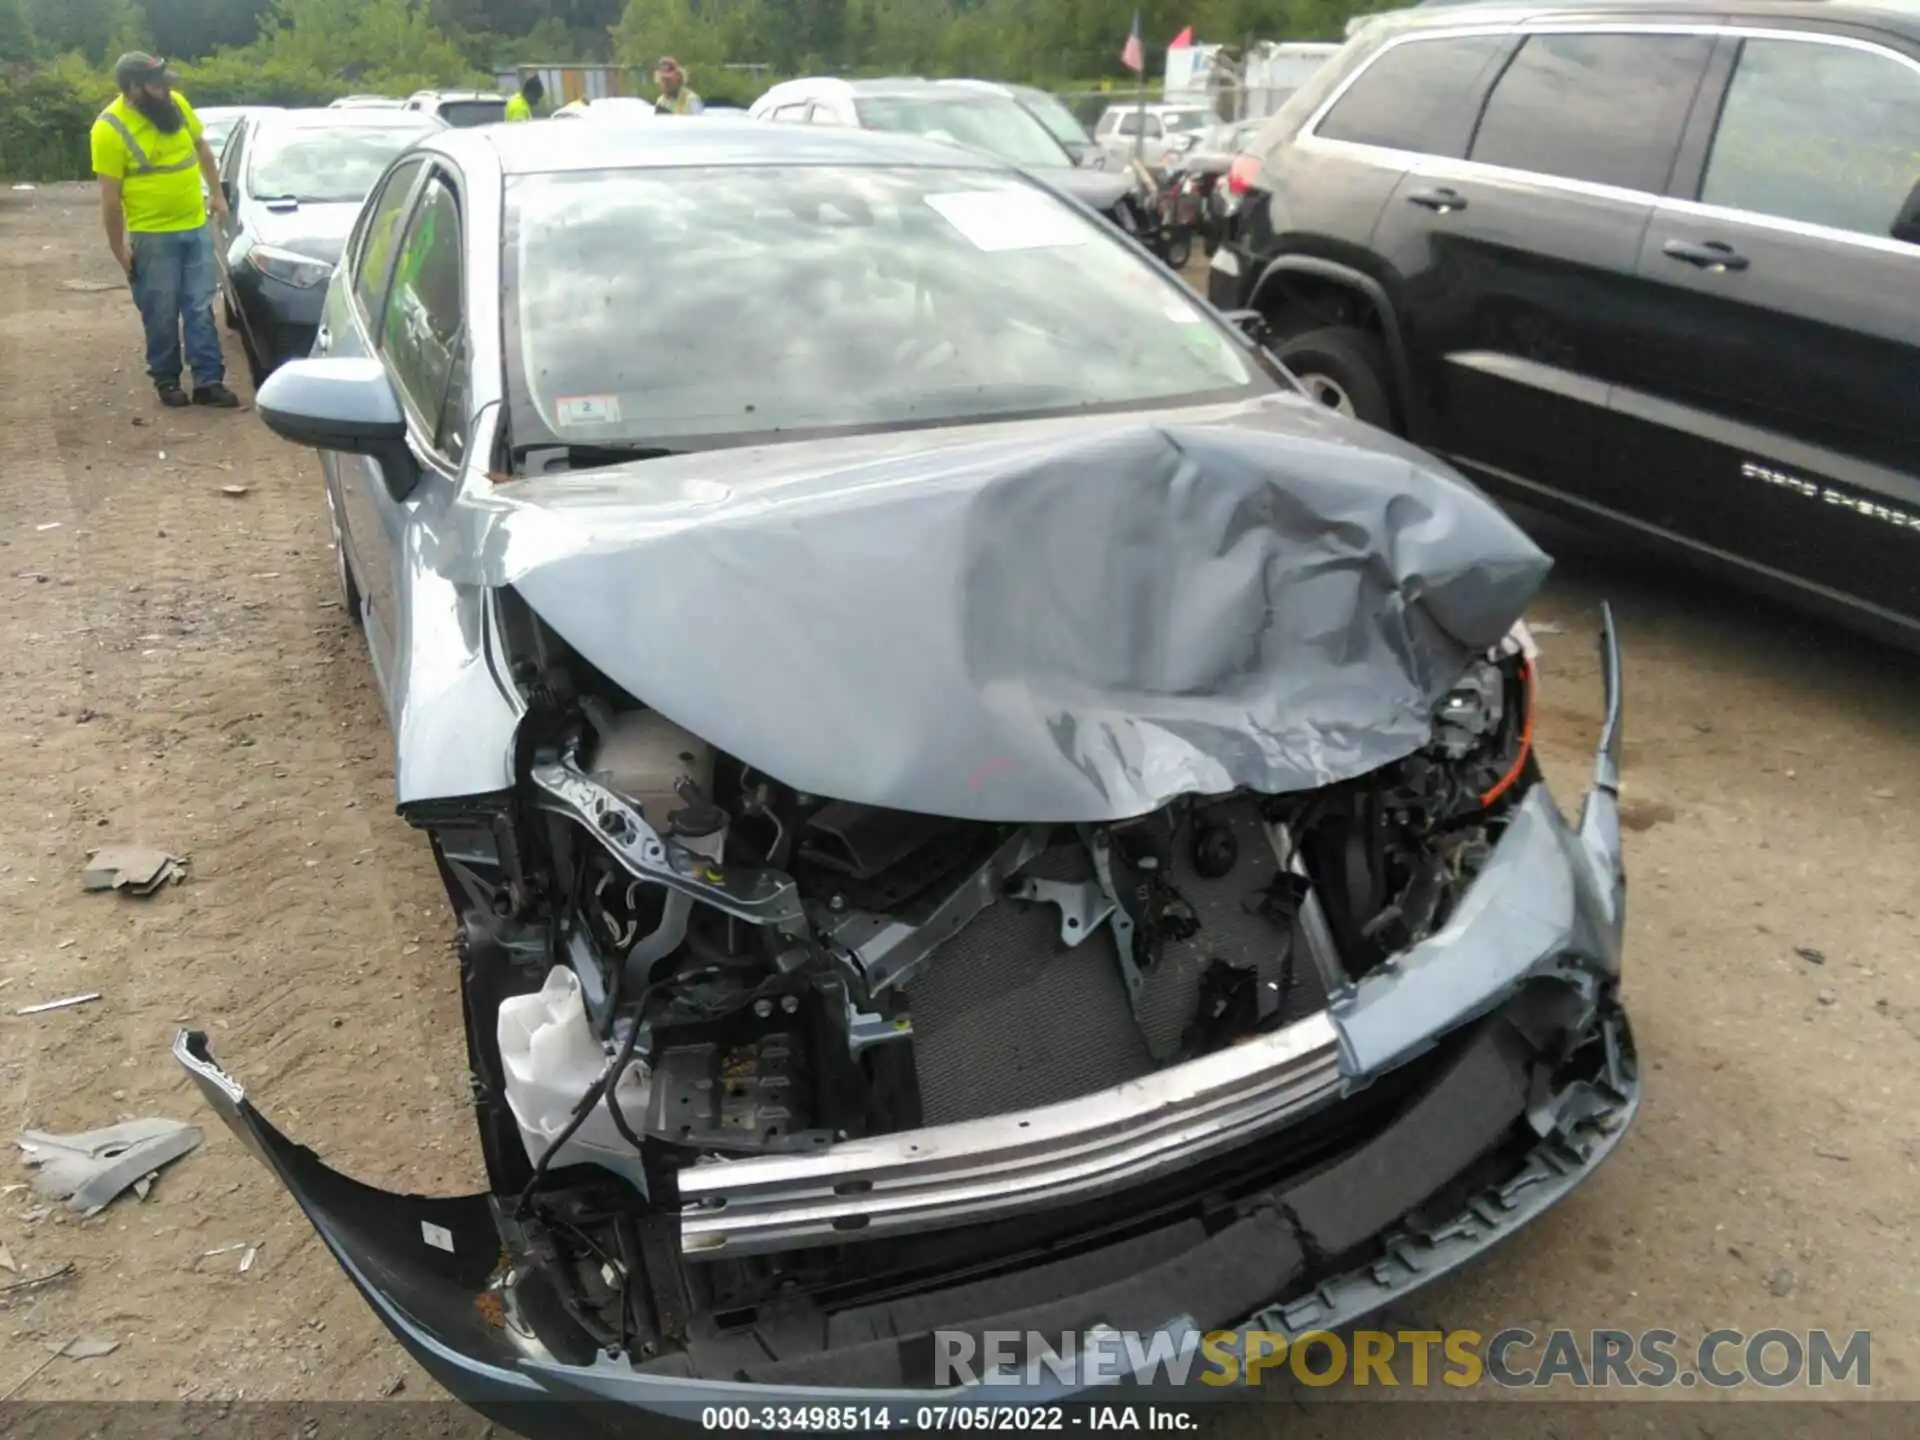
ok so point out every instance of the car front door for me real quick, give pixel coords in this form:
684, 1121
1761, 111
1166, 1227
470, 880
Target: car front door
350, 329
1515, 264
1772, 413
233, 156
420, 337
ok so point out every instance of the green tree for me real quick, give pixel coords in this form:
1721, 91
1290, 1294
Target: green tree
101, 30
18, 43
191, 29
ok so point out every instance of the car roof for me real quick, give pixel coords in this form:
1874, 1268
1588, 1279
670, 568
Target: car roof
892, 85
682, 141
348, 117
1898, 16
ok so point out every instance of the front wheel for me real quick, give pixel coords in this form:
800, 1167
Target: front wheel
1180, 249
1344, 369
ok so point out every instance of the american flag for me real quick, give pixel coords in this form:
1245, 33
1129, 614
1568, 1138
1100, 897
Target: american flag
1131, 55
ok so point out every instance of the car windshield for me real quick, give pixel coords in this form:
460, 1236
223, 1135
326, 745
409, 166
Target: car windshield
324, 166
462, 113
993, 123
1186, 119
692, 307
1055, 116
216, 130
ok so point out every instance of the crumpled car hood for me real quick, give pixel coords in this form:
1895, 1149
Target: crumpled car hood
1067, 621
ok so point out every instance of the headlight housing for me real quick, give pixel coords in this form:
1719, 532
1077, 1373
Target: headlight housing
302, 271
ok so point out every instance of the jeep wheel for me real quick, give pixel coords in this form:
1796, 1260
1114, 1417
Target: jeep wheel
1343, 369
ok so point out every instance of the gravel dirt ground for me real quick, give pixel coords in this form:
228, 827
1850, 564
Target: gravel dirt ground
178, 672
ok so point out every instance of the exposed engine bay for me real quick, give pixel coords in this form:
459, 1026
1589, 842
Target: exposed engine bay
684, 963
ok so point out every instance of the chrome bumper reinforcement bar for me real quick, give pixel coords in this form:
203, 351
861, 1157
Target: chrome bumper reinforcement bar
963, 1173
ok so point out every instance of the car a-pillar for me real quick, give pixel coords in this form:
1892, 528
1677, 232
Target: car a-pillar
1333, 328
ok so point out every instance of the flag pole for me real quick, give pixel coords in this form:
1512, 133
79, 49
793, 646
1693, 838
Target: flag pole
1140, 122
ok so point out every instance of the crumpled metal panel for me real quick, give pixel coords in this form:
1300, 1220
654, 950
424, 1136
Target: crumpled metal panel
1069, 621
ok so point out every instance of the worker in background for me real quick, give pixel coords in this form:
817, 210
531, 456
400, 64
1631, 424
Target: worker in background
152, 162
675, 97
521, 107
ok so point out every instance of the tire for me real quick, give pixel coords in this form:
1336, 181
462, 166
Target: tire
1180, 250
1344, 369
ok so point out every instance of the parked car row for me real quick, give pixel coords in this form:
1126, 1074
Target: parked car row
988, 118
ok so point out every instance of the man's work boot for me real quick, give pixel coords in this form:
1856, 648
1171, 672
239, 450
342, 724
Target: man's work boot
216, 394
171, 395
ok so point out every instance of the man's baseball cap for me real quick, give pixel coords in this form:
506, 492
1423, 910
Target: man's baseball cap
136, 67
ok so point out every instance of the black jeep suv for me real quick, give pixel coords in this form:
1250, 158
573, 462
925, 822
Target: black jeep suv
1655, 265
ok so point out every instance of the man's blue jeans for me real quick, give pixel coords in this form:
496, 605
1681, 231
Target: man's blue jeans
173, 284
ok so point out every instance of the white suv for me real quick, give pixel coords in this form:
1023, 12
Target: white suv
1161, 129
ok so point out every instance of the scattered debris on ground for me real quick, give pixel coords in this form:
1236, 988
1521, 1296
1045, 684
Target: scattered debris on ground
80, 1347
66, 1003
67, 1271
90, 1168
137, 869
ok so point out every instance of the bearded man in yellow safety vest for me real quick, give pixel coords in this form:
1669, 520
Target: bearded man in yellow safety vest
152, 161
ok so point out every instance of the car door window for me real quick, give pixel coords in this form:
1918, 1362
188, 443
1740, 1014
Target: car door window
1128, 125
1827, 134
1419, 96
382, 226
1606, 109
420, 332
791, 114
233, 152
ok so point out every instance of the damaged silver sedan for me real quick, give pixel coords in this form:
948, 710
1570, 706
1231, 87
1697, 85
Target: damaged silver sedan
968, 802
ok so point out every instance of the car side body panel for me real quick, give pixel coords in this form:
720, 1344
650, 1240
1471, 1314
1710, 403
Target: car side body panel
1555, 340
434, 642
1769, 405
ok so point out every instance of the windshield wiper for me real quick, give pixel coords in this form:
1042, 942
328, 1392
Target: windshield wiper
546, 459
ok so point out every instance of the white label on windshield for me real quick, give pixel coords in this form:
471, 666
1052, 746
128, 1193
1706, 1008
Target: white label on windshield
589, 409
1182, 313
1010, 219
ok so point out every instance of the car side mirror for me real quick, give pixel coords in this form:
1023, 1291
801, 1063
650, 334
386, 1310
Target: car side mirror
344, 404
1906, 225
1250, 323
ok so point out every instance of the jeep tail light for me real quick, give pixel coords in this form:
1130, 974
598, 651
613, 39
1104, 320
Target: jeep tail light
1242, 173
